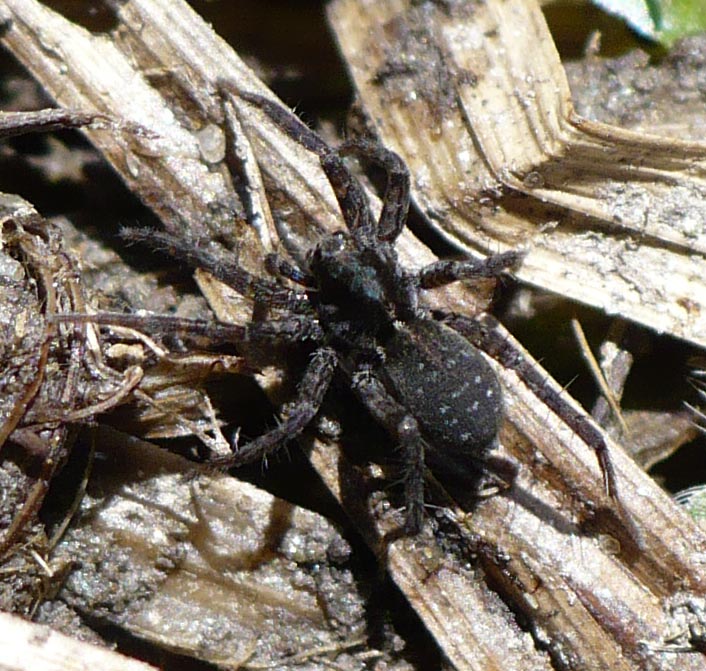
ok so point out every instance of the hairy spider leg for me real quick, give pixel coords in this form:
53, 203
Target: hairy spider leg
276, 265
310, 394
440, 273
294, 329
401, 286
396, 200
403, 427
259, 289
348, 191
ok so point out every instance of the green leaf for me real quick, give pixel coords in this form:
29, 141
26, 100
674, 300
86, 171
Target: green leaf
663, 21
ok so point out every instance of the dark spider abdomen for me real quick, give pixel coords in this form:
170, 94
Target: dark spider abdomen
447, 385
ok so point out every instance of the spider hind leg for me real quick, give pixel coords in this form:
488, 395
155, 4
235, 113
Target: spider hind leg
400, 424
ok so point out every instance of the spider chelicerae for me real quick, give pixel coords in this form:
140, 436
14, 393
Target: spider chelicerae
358, 311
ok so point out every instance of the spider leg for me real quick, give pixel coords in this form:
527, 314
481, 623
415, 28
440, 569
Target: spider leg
310, 395
228, 272
404, 428
348, 191
395, 202
276, 265
444, 272
294, 329
485, 336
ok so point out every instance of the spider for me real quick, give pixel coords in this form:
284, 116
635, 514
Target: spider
358, 310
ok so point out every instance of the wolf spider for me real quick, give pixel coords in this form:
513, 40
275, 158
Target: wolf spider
359, 312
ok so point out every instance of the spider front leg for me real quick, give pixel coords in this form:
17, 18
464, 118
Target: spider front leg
290, 330
445, 272
400, 424
350, 194
310, 394
276, 265
259, 289
395, 201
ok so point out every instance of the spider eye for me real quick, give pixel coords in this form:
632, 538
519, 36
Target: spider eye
336, 242
330, 246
